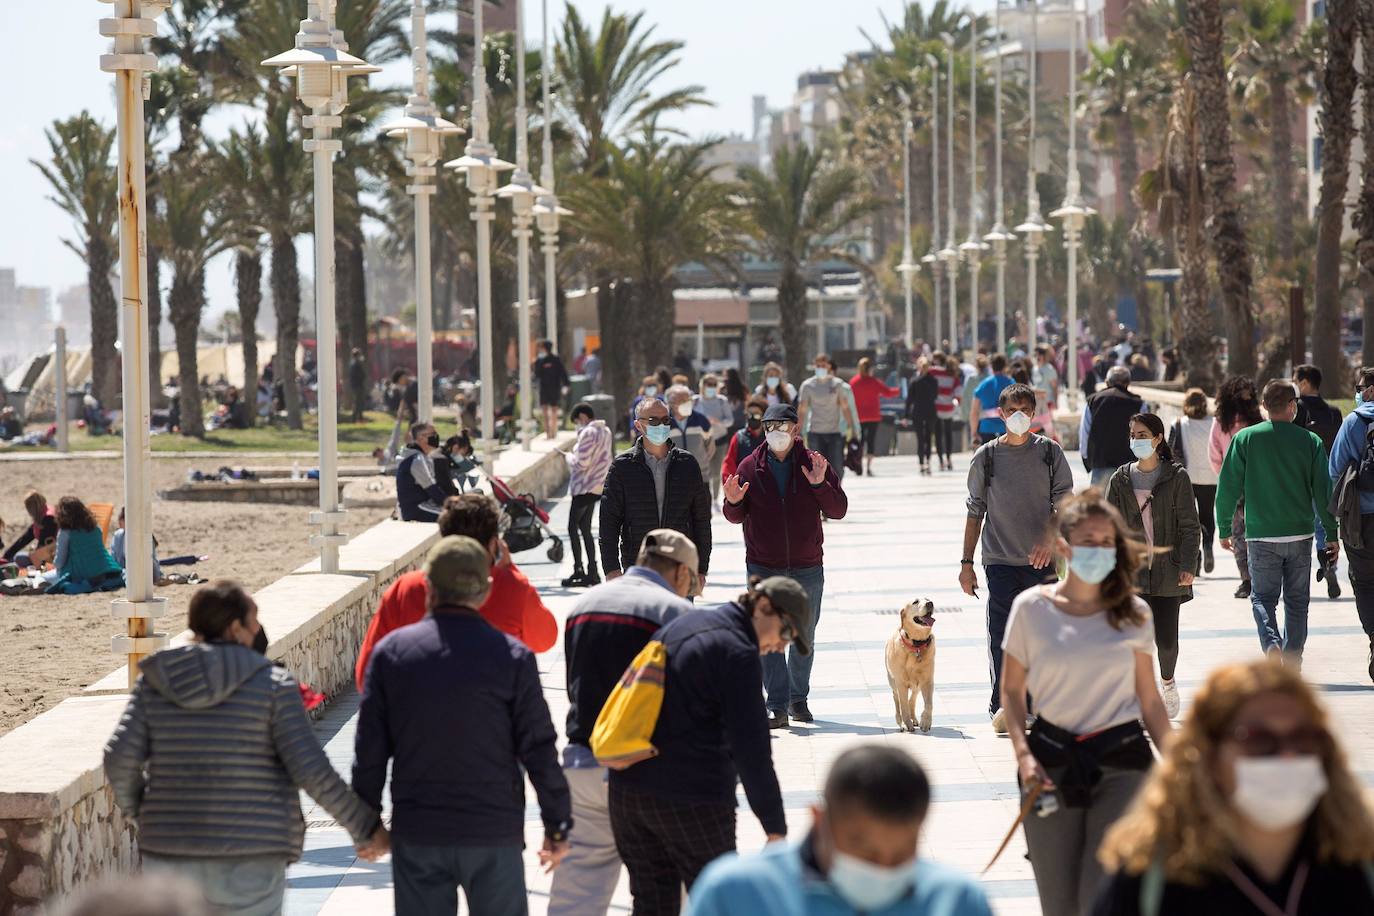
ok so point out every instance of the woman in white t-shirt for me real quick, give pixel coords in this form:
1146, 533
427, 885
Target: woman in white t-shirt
1190, 439
1083, 648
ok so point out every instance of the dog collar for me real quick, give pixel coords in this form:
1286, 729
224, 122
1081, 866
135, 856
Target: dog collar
916, 645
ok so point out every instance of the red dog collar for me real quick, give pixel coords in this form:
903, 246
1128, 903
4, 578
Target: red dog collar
916, 646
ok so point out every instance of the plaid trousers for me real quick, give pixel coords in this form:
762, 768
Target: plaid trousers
665, 843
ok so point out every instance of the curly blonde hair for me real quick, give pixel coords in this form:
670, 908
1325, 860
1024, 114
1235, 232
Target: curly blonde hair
1181, 819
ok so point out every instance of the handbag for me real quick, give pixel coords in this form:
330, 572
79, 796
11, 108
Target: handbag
854, 455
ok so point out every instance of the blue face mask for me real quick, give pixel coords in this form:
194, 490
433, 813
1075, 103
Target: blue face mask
1142, 448
822, 372
1092, 564
650, 391
658, 434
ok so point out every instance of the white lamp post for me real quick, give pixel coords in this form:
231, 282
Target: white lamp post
424, 131
972, 249
321, 66
949, 255
932, 257
133, 21
480, 164
1000, 235
1073, 212
522, 192
546, 208
1035, 227
908, 266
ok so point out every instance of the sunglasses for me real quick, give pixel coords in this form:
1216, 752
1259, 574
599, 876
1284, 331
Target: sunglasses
1261, 742
772, 425
656, 421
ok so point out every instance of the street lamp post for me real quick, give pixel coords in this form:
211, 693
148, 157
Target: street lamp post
949, 255
1000, 236
321, 66
480, 165
973, 246
546, 208
1073, 212
908, 266
932, 257
133, 21
424, 131
522, 192
1035, 227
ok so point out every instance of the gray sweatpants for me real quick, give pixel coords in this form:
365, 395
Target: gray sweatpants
586, 879
1063, 846
242, 885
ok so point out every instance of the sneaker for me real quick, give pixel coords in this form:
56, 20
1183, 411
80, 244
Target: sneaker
999, 722
576, 580
1209, 563
592, 578
777, 719
1171, 702
1243, 590
801, 712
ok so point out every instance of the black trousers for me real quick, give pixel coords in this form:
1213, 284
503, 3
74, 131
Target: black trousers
944, 437
580, 529
1360, 564
1206, 496
665, 844
1164, 610
925, 433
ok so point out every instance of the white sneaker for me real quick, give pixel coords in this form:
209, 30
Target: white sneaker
1171, 702
999, 722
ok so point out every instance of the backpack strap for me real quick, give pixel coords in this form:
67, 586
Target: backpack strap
1152, 889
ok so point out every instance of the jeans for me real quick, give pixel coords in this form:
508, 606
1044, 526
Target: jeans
788, 680
241, 885
831, 445
580, 530
1360, 561
1004, 584
586, 880
1281, 567
427, 879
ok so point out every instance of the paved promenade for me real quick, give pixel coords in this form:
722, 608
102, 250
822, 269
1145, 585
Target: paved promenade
900, 541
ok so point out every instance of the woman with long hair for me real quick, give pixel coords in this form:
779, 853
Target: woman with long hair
868, 392
1155, 497
1188, 439
82, 563
774, 388
734, 391
945, 370
1083, 648
1252, 810
922, 398
1237, 407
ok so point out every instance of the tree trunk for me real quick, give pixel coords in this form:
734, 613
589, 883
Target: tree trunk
792, 319
154, 268
186, 303
1281, 164
1225, 228
1364, 214
1196, 339
613, 312
1336, 119
503, 324
104, 321
356, 278
657, 319
286, 300
1128, 158
343, 304
248, 282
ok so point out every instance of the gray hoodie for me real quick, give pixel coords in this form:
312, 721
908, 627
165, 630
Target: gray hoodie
210, 752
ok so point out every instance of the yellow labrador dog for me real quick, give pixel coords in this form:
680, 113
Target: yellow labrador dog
911, 664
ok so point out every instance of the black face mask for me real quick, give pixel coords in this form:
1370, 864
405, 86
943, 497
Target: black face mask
433, 440
755, 422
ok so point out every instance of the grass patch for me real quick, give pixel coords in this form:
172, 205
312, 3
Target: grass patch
354, 438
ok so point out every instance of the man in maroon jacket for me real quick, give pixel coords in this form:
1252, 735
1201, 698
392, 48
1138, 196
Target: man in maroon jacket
779, 492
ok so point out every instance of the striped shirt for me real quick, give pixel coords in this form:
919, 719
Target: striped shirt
944, 397
590, 459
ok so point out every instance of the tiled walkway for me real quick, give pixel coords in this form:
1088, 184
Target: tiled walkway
901, 540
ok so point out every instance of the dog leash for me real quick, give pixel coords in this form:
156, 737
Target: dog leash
1031, 798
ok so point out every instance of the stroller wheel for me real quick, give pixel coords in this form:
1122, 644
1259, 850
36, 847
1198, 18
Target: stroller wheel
556, 551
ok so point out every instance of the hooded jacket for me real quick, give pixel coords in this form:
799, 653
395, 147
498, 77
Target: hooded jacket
783, 530
1174, 519
1348, 449
210, 752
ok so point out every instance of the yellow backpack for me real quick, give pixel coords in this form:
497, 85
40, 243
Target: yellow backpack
621, 735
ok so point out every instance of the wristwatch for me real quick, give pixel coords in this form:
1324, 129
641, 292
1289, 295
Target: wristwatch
558, 833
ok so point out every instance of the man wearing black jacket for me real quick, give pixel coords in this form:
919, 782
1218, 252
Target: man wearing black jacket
1104, 434
653, 485
457, 708
1317, 416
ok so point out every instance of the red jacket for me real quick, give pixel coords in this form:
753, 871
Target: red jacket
868, 393
784, 533
513, 607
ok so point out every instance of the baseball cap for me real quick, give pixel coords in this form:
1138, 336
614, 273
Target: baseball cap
676, 546
780, 412
790, 600
458, 565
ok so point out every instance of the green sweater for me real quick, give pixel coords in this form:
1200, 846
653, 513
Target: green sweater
1281, 471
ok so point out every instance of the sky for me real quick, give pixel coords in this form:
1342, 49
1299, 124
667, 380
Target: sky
734, 48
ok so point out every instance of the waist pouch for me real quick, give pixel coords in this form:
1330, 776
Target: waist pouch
1075, 762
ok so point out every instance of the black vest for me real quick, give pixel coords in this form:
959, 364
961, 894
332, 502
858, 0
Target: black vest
1109, 444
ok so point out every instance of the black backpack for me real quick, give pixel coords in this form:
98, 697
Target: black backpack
1364, 479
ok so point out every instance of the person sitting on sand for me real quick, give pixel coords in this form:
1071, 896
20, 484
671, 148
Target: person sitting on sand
42, 533
10, 427
117, 549
82, 563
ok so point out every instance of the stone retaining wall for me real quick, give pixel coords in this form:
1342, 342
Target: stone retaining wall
59, 825
276, 492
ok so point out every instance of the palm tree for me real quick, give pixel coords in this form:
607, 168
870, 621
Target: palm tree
798, 211
1226, 229
1126, 85
1364, 214
85, 186
243, 160
1336, 119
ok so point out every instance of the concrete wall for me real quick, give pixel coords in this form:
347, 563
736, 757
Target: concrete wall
59, 825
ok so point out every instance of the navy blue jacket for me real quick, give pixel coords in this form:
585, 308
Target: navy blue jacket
456, 705
416, 485
713, 729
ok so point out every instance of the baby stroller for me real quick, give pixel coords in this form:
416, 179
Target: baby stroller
524, 524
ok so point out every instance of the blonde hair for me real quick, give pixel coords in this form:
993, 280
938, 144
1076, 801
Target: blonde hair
865, 366
1180, 817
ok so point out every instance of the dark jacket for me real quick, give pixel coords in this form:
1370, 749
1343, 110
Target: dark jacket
629, 507
605, 630
783, 530
416, 485
921, 394
210, 752
712, 729
456, 706
552, 378
1174, 518
1109, 435
1317, 416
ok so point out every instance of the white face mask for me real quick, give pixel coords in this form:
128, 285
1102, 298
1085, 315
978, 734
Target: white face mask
868, 887
708, 392
684, 409
778, 440
1278, 792
1018, 424
822, 372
